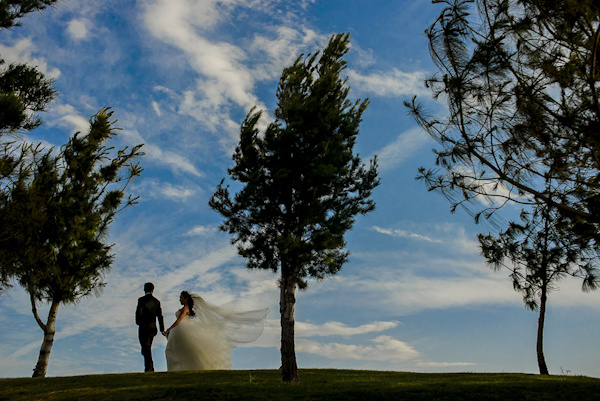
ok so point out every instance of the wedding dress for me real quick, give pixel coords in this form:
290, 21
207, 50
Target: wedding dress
204, 341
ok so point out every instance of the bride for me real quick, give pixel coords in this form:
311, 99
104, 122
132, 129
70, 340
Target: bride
204, 334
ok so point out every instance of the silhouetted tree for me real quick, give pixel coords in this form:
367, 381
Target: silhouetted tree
302, 184
521, 78
60, 255
538, 254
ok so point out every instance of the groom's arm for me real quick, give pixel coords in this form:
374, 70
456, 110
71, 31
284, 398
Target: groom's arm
161, 321
138, 313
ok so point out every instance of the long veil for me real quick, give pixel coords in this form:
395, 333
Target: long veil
234, 325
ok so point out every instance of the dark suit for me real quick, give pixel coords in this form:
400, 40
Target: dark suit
148, 309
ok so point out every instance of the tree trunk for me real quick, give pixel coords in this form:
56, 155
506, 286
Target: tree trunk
49, 330
540, 334
289, 368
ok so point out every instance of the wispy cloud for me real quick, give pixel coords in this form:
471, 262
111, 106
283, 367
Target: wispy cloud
156, 108
493, 191
444, 364
362, 58
395, 83
281, 48
201, 231
386, 349
224, 78
336, 328
402, 233
156, 189
227, 73
68, 117
175, 161
21, 52
407, 143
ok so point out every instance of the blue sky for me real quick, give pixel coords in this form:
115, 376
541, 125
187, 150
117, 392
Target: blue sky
180, 76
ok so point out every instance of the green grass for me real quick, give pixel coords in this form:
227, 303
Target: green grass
317, 384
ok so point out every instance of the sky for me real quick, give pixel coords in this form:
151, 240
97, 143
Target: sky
181, 75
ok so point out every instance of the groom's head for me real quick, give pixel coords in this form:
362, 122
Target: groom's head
148, 288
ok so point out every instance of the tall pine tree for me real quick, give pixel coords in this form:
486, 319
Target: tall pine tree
302, 183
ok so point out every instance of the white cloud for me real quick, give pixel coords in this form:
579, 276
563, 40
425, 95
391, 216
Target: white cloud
494, 191
453, 236
156, 108
443, 364
21, 52
175, 161
67, 116
363, 58
227, 73
402, 233
167, 190
386, 349
282, 48
180, 23
336, 328
394, 83
407, 143
77, 28
402, 290
305, 3
201, 230
461, 241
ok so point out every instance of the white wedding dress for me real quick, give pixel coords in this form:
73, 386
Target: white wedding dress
204, 342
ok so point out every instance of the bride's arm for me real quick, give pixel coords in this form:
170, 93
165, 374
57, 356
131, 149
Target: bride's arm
184, 311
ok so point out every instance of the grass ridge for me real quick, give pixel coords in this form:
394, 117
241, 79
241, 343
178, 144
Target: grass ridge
317, 384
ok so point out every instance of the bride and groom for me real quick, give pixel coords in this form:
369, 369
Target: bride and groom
203, 334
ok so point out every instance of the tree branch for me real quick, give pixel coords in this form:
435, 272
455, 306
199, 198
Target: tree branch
35, 313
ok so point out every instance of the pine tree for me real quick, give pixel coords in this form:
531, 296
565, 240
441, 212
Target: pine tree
59, 218
539, 254
302, 184
521, 78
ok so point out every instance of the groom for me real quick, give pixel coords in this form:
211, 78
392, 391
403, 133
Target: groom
148, 309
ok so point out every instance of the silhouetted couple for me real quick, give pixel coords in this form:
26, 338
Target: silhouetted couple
203, 334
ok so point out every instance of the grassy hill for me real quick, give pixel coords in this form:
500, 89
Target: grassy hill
317, 384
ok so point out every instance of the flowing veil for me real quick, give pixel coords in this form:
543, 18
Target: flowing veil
204, 341
235, 326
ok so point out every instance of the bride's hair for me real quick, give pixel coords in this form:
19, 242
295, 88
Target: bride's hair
190, 300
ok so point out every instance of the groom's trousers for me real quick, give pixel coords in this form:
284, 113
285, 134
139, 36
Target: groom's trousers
146, 337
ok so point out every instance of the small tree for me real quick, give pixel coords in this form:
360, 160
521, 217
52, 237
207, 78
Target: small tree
303, 186
538, 254
59, 222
